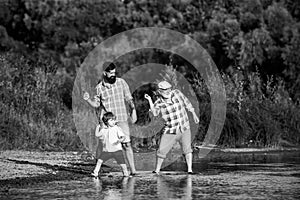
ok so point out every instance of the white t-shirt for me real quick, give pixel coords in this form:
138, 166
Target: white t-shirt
109, 136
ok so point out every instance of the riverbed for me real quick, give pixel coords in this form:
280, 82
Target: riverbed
223, 175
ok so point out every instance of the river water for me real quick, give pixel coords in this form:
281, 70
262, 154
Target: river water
243, 176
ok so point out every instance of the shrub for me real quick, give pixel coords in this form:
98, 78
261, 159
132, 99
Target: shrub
32, 112
259, 114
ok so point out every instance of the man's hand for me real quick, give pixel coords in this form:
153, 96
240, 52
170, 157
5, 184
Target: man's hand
196, 119
86, 96
147, 97
133, 116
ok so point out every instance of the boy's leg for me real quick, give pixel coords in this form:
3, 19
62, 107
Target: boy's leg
127, 146
97, 168
102, 158
99, 149
159, 162
118, 156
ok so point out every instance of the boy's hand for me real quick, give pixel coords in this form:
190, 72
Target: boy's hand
86, 96
117, 142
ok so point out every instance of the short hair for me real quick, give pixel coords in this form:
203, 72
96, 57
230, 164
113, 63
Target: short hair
107, 116
108, 66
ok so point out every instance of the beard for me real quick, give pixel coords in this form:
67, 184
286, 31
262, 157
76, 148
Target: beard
110, 80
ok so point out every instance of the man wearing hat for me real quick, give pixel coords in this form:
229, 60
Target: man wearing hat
112, 94
172, 105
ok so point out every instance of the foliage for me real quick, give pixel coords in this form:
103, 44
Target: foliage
32, 112
254, 43
257, 118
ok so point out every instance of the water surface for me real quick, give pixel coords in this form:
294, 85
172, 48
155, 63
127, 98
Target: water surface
264, 176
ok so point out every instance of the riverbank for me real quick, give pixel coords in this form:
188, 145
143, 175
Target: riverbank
29, 167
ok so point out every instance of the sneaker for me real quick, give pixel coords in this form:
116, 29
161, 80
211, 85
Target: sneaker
155, 172
126, 174
94, 174
132, 174
191, 173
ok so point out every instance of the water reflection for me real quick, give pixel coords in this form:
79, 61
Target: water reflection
128, 187
168, 188
220, 180
165, 187
117, 189
98, 185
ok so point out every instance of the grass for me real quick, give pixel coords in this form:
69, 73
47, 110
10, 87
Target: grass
34, 115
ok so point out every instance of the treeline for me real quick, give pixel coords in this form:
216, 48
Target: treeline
254, 43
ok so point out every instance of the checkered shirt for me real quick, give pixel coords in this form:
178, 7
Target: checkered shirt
174, 114
113, 97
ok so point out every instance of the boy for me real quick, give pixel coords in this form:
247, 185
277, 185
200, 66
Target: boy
111, 137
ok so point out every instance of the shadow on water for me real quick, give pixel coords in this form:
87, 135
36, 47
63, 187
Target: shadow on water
221, 176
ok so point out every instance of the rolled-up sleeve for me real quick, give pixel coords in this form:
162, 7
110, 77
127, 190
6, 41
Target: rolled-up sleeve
186, 101
156, 108
127, 93
97, 97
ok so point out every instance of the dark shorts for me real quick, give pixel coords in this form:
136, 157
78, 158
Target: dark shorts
117, 155
99, 149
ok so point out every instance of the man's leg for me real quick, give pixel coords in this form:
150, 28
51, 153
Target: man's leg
124, 169
189, 161
129, 155
99, 149
166, 143
99, 159
104, 156
127, 146
187, 149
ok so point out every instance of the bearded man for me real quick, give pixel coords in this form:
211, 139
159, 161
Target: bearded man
112, 93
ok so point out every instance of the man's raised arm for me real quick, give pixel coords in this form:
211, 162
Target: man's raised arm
94, 103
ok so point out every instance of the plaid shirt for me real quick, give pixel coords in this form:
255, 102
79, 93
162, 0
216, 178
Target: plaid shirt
113, 96
174, 114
